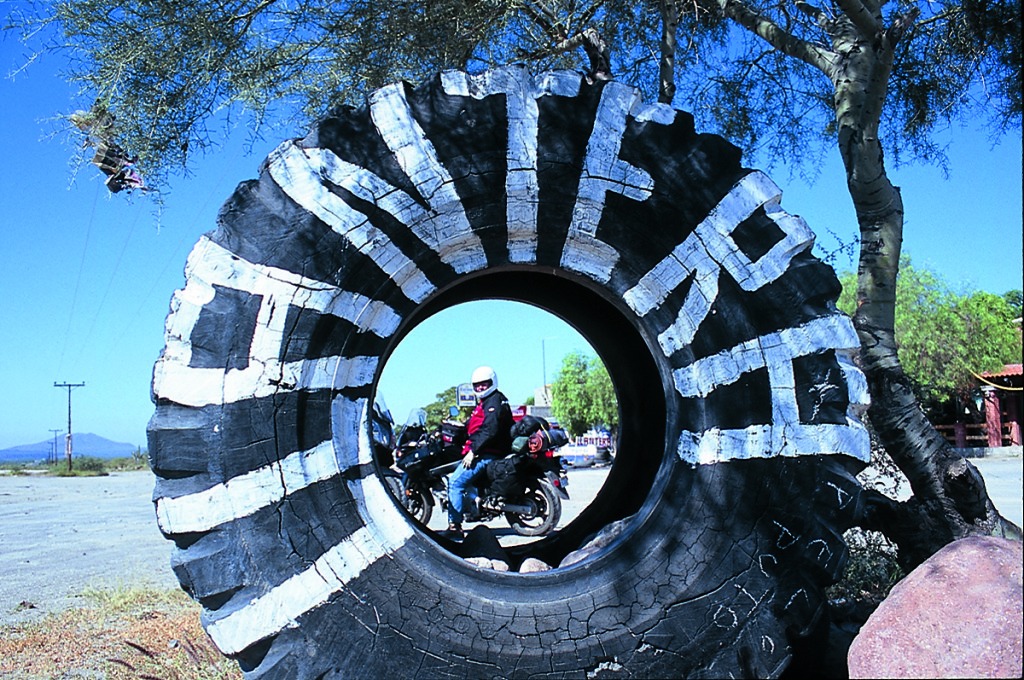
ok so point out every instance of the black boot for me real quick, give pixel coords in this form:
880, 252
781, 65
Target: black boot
454, 532
472, 512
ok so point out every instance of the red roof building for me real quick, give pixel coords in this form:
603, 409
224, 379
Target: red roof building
1002, 392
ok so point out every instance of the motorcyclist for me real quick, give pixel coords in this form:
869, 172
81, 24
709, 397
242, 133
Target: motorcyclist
490, 437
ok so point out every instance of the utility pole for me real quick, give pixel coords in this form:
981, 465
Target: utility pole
53, 453
544, 369
69, 386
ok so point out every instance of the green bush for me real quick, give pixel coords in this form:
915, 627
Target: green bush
137, 461
872, 570
81, 466
89, 464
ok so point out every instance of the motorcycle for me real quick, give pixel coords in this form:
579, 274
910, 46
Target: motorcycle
526, 487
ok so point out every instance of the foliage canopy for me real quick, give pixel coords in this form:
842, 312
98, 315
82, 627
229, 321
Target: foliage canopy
582, 395
173, 78
945, 337
437, 410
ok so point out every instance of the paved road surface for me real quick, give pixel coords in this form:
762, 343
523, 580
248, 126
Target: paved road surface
59, 536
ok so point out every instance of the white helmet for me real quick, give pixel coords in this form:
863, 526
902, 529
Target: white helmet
482, 375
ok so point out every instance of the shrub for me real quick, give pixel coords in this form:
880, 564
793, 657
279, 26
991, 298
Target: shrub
89, 464
871, 572
81, 466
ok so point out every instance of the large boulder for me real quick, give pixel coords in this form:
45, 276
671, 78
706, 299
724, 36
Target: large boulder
956, 615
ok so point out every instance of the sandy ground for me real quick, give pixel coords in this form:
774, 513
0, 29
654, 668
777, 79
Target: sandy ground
61, 536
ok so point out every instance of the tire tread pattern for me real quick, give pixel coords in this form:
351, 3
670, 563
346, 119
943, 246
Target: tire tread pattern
742, 476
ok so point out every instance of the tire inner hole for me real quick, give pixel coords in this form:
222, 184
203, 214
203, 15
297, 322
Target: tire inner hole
457, 330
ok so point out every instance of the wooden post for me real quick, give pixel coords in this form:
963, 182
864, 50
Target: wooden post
960, 433
1013, 417
993, 421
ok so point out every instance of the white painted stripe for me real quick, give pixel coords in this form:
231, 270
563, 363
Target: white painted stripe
768, 441
760, 191
453, 238
427, 227
384, 521
386, 531
210, 265
711, 248
348, 424
245, 494
694, 261
521, 187
280, 607
521, 92
183, 384
833, 332
559, 84
604, 171
786, 436
299, 174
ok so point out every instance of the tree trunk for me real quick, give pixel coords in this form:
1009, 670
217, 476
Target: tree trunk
667, 65
949, 496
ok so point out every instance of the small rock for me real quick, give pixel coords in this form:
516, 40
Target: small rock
957, 615
531, 565
484, 563
595, 543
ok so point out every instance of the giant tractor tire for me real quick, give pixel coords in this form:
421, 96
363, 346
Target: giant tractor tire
740, 404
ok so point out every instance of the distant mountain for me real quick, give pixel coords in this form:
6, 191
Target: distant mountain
84, 444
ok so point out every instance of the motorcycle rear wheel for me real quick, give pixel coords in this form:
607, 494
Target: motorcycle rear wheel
546, 517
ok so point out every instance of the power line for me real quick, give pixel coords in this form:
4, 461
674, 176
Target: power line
78, 281
110, 281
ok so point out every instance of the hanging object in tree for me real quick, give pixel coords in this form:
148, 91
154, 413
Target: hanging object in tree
98, 125
119, 169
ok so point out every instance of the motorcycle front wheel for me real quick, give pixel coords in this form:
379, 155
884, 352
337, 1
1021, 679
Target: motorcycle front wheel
417, 502
547, 514
393, 482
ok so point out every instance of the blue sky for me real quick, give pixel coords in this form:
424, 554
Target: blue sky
88, 276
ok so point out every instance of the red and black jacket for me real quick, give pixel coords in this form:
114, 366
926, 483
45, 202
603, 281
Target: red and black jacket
490, 427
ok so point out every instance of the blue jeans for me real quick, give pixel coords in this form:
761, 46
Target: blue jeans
462, 478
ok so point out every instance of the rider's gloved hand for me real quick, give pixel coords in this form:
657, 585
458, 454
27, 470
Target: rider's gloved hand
467, 460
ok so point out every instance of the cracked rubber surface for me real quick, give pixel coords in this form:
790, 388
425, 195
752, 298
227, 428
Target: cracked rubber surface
740, 402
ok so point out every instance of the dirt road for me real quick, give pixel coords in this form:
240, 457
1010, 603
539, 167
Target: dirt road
59, 536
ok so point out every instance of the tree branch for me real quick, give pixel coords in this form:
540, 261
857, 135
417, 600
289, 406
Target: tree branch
861, 17
249, 16
770, 32
545, 21
878, 84
813, 12
591, 42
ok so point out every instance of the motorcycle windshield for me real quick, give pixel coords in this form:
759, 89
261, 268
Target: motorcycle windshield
417, 418
415, 425
382, 424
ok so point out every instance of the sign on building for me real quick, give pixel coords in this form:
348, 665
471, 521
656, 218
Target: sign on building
464, 395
